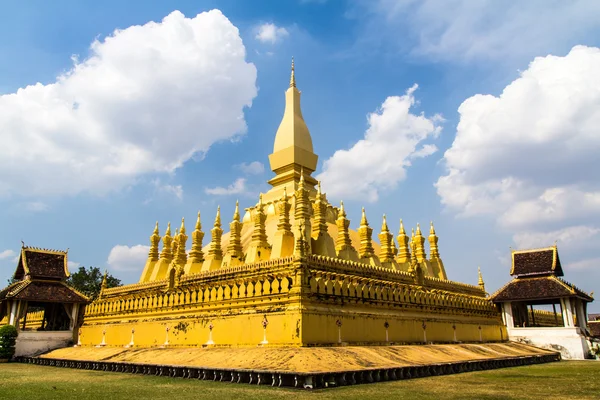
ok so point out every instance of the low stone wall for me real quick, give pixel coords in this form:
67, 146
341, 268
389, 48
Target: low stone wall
571, 344
38, 342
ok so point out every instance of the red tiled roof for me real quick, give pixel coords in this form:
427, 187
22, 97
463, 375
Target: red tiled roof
41, 263
537, 288
536, 262
43, 291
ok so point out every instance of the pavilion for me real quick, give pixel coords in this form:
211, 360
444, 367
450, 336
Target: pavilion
540, 307
39, 303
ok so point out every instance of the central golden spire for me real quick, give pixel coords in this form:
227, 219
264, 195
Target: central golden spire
293, 147
293, 77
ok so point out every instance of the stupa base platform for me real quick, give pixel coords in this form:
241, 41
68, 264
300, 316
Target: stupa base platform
303, 367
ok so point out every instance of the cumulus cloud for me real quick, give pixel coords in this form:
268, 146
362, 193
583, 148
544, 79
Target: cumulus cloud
146, 100
529, 156
125, 258
270, 33
464, 29
72, 265
590, 263
394, 137
7, 254
253, 168
570, 237
237, 187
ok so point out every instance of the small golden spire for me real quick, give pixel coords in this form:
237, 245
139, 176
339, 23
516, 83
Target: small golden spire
155, 229
363, 218
236, 214
182, 228
418, 233
260, 203
293, 76
342, 211
218, 218
302, 176
168, 232
402, 231
480, 280
432, 229
198, 224
318, 189
384, 227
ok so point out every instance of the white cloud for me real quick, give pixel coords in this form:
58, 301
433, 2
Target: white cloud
237, 187
146, 100
465, 29
270, 33
170, 190
125, 258
570, 237
73, 265
253, 168
393, 139
35, 206
529, 157
590, 263
7, 254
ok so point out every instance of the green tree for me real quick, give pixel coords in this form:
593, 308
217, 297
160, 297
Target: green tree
88, 281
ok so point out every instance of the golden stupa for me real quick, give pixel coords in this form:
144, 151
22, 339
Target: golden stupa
291, 273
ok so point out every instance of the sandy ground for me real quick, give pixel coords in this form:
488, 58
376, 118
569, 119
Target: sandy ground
300, 359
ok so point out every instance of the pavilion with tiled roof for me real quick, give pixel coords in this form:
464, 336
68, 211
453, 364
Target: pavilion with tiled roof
40, 289
537, 282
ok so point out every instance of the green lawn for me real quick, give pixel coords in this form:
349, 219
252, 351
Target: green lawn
561, 380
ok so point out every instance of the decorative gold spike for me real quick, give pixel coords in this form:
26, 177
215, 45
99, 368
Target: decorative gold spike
404, 252
196, 254
365, 232
236, 213
419, 245
234, 255
480, 279
293, 76
154, 241
167, 251
386, 253
218, 218
433, 240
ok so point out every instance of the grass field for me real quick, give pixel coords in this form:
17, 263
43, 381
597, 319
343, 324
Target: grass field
562, 380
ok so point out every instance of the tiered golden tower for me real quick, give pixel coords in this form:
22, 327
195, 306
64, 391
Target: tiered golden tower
294, 261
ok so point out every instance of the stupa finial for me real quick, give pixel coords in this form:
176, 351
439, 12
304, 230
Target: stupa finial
363, 218
218, 218
182, 228
198, 224
236, 213
293, 76
384, 227
480, 279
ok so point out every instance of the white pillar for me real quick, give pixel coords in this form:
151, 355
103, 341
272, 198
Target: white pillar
581, 317
13, 313
74, 312
508, 315
568, 313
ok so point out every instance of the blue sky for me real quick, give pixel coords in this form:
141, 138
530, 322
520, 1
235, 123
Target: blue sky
514, 167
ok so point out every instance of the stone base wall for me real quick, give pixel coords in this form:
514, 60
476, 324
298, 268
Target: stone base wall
34, 343
571, 344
